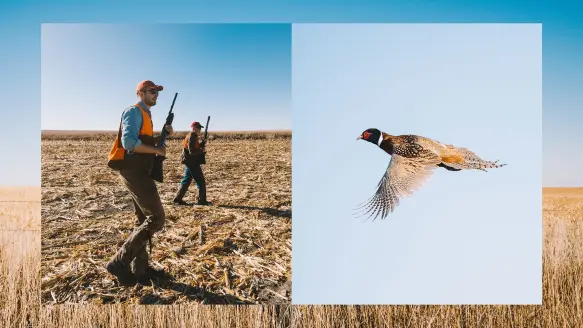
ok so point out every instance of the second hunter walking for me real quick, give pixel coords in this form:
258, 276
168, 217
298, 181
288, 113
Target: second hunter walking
193, 156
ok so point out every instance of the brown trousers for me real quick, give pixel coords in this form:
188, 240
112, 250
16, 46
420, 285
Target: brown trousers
150, 218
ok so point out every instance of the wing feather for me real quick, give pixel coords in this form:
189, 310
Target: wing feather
402, 178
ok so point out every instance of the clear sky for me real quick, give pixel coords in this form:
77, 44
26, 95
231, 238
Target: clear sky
239, 74
467, 237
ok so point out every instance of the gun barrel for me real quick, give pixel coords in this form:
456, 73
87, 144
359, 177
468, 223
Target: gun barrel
206, 130
173, 101
158, 170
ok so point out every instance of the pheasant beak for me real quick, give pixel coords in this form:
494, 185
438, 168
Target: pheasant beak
359, 137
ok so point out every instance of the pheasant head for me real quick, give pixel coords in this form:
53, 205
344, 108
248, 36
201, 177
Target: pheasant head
371, 135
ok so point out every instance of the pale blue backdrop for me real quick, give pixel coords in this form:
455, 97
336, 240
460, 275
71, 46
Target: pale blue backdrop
467, 237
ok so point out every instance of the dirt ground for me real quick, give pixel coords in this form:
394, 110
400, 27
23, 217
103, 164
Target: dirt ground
244, 255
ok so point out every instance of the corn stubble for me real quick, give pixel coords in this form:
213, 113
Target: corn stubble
237, 251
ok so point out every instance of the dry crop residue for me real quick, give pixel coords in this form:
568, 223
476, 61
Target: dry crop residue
243, 255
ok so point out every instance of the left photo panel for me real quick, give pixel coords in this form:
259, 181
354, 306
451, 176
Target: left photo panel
166, 163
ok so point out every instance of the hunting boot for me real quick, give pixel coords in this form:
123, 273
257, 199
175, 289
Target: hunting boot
180, 194
143, 271
119, 266
202, 194
139, 265
203, 202
153, 273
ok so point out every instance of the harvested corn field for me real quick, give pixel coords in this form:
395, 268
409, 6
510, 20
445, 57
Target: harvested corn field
236, 251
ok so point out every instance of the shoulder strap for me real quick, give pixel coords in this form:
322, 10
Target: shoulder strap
142, 125
119, 132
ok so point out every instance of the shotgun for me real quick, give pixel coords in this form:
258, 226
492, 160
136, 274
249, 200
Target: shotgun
158, 170
204, 139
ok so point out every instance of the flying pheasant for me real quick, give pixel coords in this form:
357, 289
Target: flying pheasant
413, 159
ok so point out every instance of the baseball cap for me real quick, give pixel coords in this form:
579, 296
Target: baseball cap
148, 85
197, 124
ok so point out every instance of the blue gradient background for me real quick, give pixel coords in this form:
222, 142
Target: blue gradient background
20, 58
562, 57
466, 237
239, 74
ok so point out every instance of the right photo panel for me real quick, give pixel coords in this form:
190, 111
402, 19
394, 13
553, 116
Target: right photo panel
417, 163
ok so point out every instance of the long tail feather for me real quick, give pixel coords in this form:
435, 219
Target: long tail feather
473, 161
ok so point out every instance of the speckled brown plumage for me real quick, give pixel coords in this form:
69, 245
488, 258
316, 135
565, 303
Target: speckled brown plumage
413, 160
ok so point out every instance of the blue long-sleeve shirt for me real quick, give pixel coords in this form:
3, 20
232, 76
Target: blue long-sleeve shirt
131, 124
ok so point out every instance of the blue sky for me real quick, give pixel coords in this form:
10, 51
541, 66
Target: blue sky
467, 237
239, 74
20, 58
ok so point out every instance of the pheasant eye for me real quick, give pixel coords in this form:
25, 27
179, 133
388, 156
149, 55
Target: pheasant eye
366, 135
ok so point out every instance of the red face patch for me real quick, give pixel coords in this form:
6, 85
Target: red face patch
365, 135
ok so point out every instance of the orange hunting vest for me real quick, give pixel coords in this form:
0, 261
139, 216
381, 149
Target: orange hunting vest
186, 157
196, 144
117, 158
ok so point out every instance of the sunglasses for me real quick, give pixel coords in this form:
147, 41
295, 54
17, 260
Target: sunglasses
152, 91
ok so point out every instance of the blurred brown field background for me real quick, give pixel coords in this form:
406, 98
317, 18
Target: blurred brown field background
20, 286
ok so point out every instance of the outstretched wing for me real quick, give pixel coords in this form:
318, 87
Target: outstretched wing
402, 177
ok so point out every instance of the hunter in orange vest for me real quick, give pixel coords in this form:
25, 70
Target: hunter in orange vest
192, 155
132, 155
117, 159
